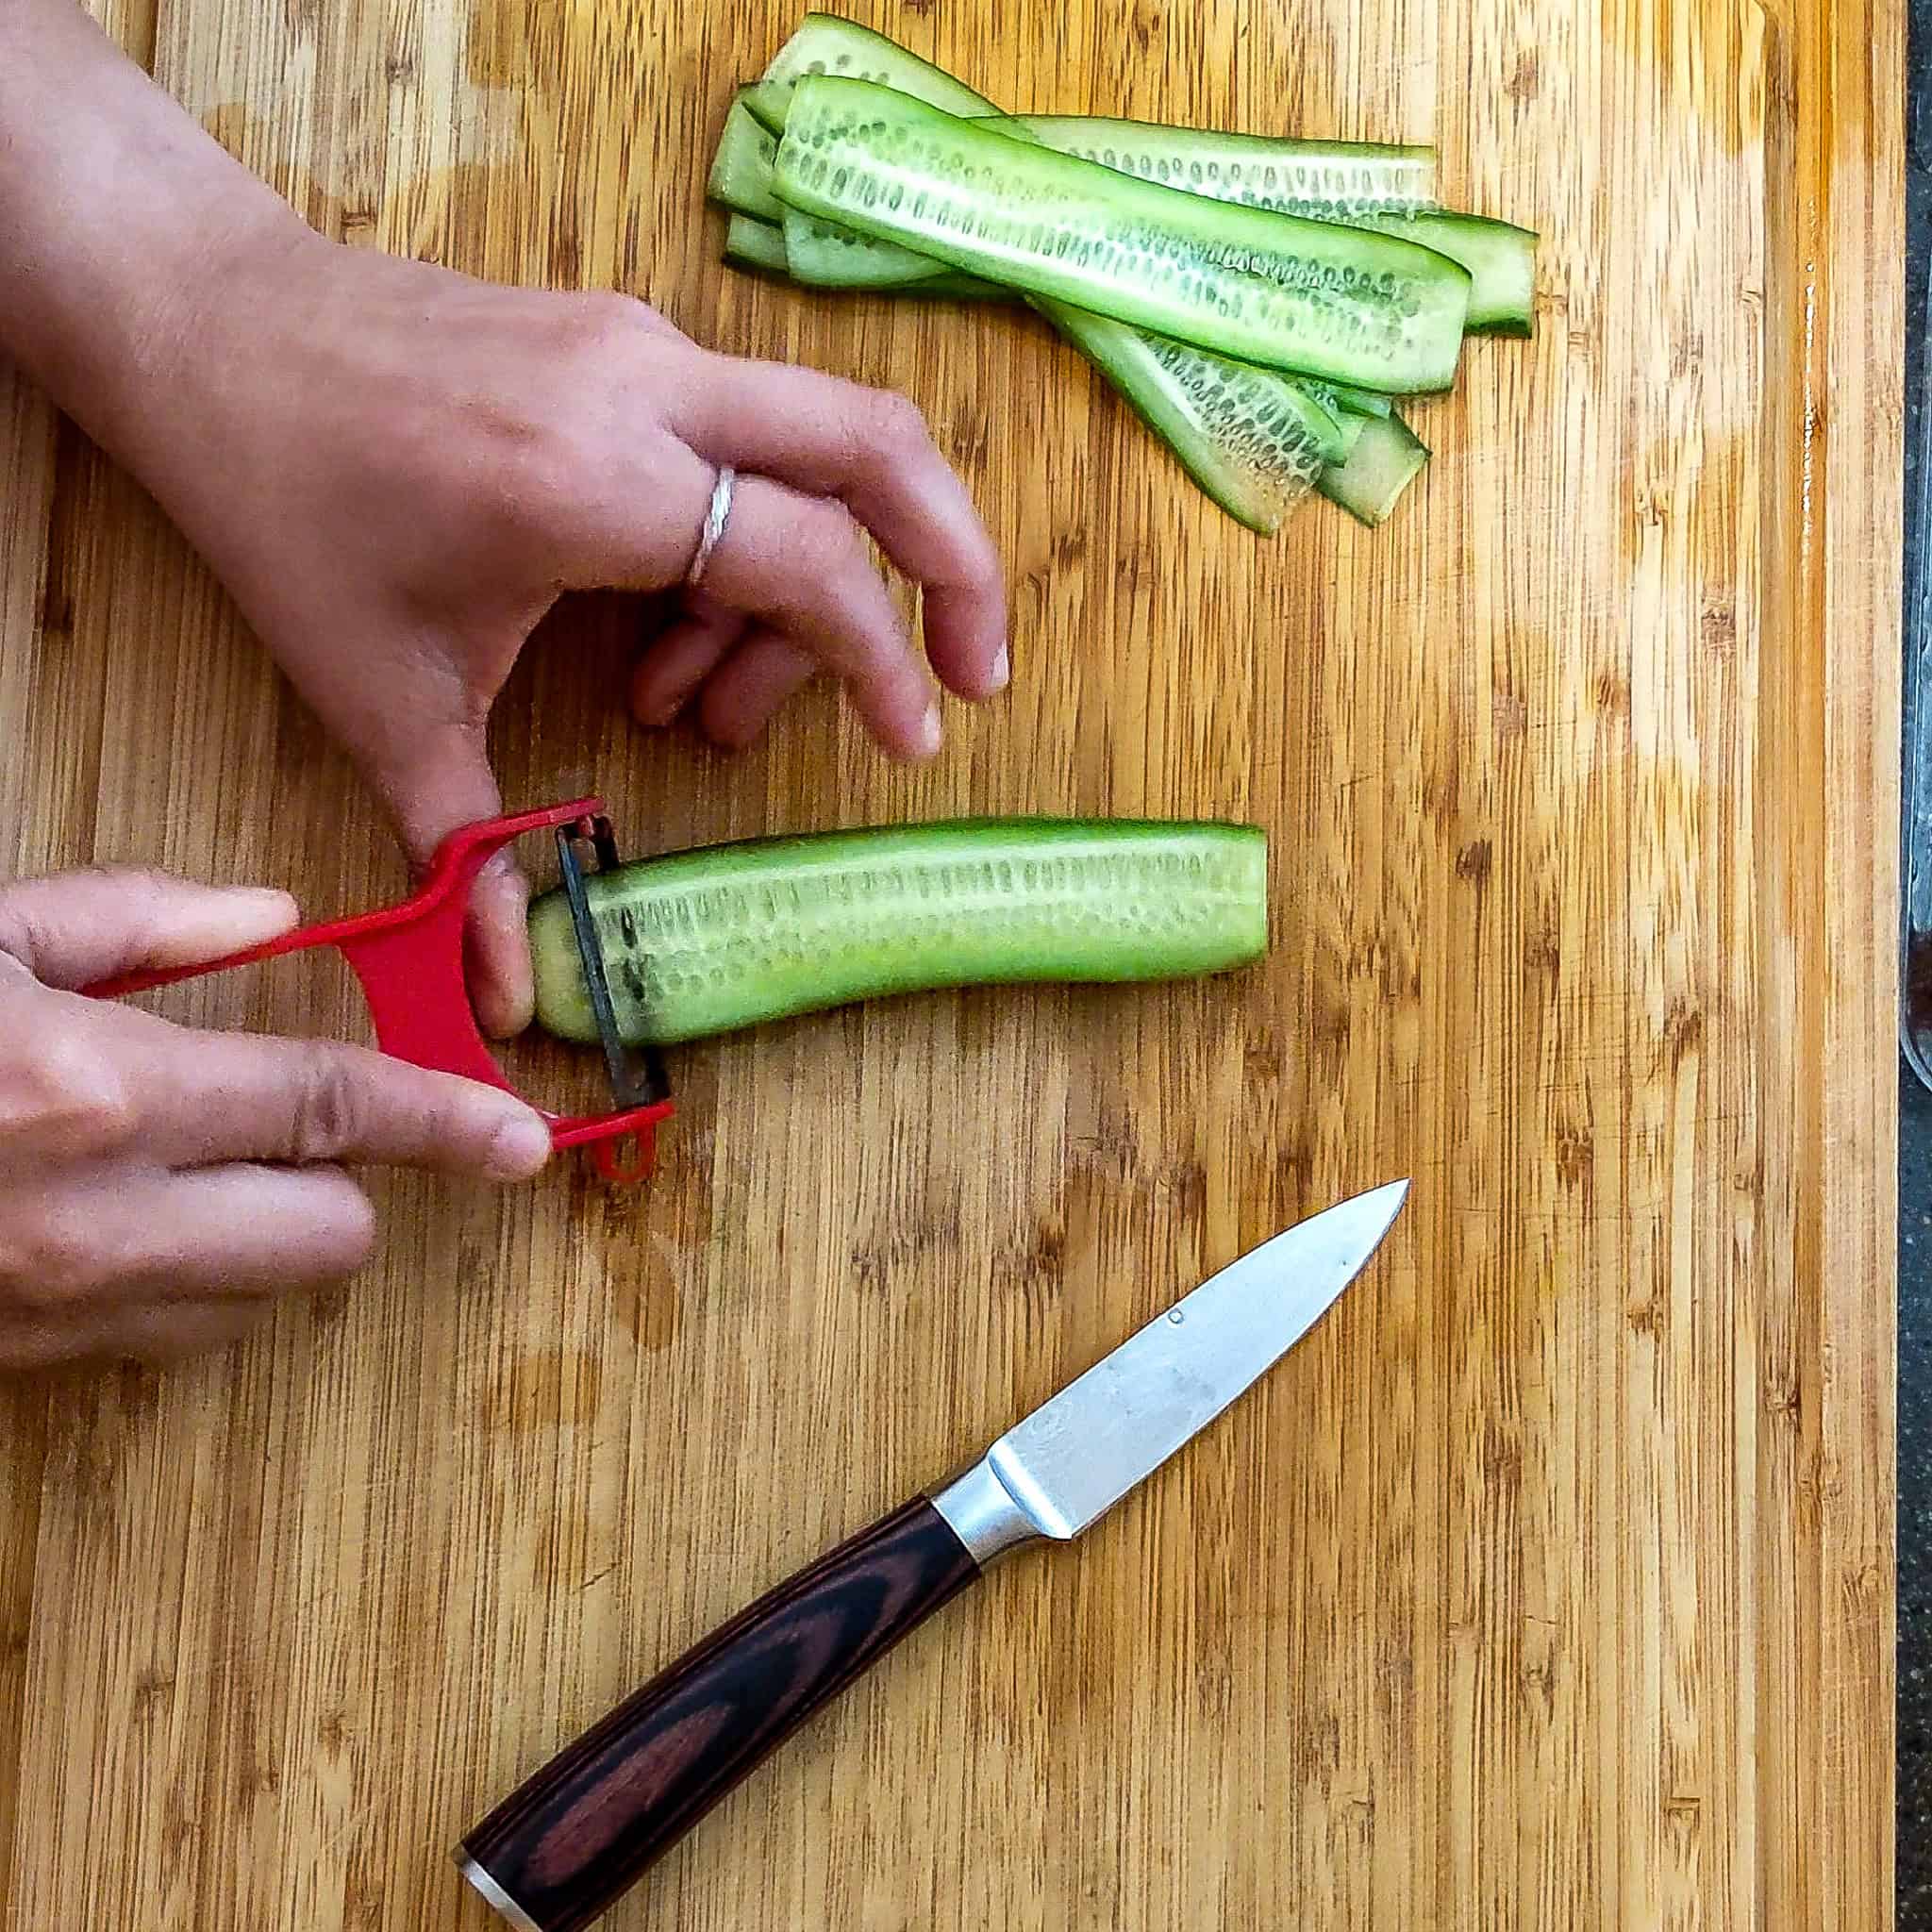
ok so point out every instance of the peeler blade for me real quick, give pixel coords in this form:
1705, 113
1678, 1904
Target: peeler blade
637, 1073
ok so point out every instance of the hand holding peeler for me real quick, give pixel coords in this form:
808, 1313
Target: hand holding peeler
409, 960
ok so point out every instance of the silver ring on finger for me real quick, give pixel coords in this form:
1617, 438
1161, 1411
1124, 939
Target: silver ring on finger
716, 516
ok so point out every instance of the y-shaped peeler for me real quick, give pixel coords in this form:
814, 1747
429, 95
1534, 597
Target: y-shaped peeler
409, 961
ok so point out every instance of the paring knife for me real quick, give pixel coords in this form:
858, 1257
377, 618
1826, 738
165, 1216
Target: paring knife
562, 1849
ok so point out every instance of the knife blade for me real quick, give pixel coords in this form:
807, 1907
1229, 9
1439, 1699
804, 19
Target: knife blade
575, 1836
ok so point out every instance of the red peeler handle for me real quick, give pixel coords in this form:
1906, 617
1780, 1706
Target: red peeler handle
409, 961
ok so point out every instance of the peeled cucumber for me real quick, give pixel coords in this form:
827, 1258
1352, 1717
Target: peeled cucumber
1386, 458
1254, 440
741, 176
704, 941
1327, 180
754, 244
824, 43
1388, 190
1307, 297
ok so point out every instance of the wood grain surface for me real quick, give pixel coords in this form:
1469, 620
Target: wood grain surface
1550, 1583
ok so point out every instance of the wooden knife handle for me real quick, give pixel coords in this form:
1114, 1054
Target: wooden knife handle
559, 1851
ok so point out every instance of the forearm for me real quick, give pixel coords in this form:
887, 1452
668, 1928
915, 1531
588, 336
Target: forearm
119, 219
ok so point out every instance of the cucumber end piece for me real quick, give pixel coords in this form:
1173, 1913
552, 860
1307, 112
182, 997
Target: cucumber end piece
1388, 456
563, 994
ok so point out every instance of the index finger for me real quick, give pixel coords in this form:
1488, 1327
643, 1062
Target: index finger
871, 449
205, 1097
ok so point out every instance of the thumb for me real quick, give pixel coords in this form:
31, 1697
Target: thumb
72, 928
448, 783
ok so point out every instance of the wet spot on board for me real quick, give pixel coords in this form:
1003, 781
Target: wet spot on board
1474, 862
645, 1296
546, 1388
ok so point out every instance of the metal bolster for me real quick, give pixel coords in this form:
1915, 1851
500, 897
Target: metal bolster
489, 1888
979, 1510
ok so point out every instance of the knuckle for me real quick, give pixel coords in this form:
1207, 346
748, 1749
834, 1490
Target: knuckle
901, 423
528, 483
49, 1257
602, 321
61, 1094
328, 1111
826, 542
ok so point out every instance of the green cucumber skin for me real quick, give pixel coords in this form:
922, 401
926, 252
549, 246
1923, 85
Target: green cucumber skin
708, 941
740, 176
754, 245
824, 254
824, 43
1499, 256
1309, 297
760, 248
767, 104
1324, 180
1388, 456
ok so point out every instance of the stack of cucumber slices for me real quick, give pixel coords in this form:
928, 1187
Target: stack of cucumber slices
1263, 304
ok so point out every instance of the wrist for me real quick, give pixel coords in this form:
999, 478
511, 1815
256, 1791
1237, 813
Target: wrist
121, 223
151, 385
125, 335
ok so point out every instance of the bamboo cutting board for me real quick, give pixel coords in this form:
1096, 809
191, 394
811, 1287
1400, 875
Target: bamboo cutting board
1550, 1583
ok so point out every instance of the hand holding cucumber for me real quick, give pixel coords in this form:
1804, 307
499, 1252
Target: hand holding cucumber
395, 470
429, 460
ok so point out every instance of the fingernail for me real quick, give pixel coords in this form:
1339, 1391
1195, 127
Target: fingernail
1002, 672
271, 901
930, 732
518, 1148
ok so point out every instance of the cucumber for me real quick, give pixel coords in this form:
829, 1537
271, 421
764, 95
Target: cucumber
704, 941
823, 44
1254, 440
1382, 189
1338, 399
766, 104
754, 244
1309, 297
1327, 180
1388, 456
827, 45
760, 246
741, 176
1355, 186
1500, 258
824, 254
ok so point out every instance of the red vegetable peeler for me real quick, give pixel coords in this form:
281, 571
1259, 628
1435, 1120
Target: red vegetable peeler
409, 961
